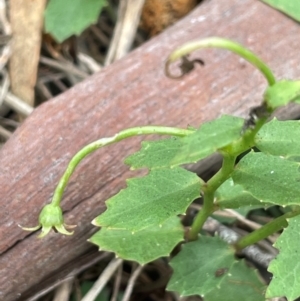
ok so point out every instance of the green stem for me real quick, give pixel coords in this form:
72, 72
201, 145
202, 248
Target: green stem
246, 142
160, 130
230, 154
209, 192
215, 42
265, 231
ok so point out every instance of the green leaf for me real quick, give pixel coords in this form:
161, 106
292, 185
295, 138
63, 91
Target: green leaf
208, 268
142, 246
290, 7
151, 200
230, 195
209, 138
280, 138
268, 178
286, 266
155, 154
64, 18
282, 93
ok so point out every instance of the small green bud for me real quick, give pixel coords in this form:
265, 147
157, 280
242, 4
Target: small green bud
50, 217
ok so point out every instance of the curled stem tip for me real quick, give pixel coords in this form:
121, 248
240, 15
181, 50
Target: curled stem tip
216, 42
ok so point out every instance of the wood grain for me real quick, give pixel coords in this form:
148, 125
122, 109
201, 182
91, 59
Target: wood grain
131, 92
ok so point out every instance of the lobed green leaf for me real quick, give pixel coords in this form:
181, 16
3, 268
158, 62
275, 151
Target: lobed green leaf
282, 93
280, 138
208, 268
151, 200
291, 8
230, 195
286, 266
269, 179
144, 245
155, 154
209, 138
68, 17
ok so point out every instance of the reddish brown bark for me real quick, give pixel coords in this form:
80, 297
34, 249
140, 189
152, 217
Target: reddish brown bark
131, 92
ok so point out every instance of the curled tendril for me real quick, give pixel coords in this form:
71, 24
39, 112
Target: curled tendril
186, 66
215, 42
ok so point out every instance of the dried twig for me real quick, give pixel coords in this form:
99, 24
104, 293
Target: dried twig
252, 252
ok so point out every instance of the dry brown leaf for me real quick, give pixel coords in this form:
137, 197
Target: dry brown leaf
159, 14
26, 21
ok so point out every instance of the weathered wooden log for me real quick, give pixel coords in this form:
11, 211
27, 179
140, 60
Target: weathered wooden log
133, 91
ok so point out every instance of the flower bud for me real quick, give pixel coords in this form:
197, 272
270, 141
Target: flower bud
50, 217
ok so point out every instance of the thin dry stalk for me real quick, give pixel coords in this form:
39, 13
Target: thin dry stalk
63, 292
244, 220
71, 275
131, 283
117, 284
89, 62
129, 13
5, 133
102, 280
63, 66
17, 104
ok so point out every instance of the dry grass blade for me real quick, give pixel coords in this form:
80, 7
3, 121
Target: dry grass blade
4, 109
243, 220
17, 104
89, 62
117, 284
129, 13
4, 133
5, 54
63, 292
131, 282
102, 280
70, 276
4, 23
63, 66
